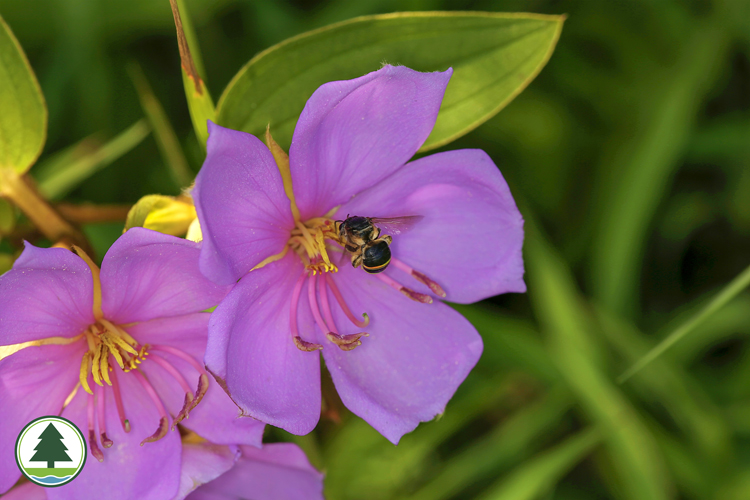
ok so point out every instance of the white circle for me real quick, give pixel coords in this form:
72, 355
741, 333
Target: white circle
63, 446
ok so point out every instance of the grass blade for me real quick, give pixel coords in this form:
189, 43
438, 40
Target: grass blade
729, 292
536, 477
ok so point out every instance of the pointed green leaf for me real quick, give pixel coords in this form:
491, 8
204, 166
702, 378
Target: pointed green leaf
23, 112
494, 57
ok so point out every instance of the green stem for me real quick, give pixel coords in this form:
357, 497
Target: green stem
16, 188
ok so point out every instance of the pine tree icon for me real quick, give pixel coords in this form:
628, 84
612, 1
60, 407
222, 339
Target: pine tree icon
51, 448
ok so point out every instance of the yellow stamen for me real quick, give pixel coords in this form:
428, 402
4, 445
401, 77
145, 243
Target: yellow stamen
84, 375
282, 162
91, 338
115, 352
104, 364
322, 247
96, 364
121, 336
97, 308
305, 243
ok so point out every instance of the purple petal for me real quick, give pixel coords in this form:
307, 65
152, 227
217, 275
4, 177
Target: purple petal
202, 463
411, 364
279, 470
470, 239
244, 213
129, 470
354, 133
48, 293
250, 348
147, 275
34, 382
27, 491
216, 418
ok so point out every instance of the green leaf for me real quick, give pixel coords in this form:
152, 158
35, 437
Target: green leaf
537, 476
63, 172
23, 112
494, 57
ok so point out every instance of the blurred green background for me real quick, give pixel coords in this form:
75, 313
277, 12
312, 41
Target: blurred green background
630, 158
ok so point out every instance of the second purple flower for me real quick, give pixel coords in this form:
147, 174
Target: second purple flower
291, 228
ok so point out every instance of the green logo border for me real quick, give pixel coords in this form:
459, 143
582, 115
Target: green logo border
85, 451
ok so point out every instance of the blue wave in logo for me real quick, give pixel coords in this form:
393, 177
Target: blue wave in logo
50, 479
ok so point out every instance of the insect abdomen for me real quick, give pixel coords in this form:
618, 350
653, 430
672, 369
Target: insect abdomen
376, 257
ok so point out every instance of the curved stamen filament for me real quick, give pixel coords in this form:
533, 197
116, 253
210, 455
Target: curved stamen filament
161, 431
202, 378
92, 433
187, 405
101, 416
422, 278
172, 371
419, 297
325, 306
345, 342
302, 345
314, 305
118, 402
340, 299
180, 354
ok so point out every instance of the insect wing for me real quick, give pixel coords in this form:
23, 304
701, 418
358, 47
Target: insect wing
396, 225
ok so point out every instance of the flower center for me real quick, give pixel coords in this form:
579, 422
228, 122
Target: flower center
308, 240
312, 240
109, 344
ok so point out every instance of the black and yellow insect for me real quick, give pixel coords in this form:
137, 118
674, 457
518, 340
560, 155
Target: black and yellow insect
362, 237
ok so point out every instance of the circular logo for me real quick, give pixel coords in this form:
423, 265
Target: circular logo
50, 451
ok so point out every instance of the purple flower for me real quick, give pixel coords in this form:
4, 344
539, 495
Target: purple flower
213, 472
270, 222
118, 352
279, 470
